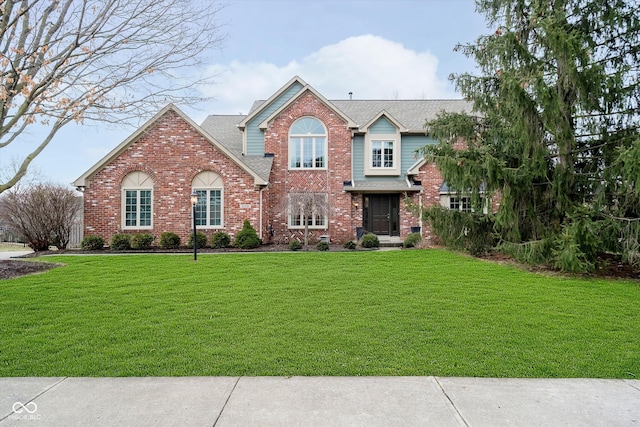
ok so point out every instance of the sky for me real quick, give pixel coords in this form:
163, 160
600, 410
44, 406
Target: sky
376, 49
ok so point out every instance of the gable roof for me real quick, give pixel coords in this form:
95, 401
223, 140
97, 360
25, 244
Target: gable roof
257, 108
305, 89
389, 117
224, 129
82, 180
411, 113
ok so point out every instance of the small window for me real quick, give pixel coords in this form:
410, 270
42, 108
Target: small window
307, 144
308, 209
381, 154
137, 201
460, 203
209, 188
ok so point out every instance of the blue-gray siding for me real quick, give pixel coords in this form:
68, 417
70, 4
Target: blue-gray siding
411, 143
382, 125
255, 137
408, 155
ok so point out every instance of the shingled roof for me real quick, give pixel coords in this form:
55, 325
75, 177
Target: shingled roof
411, 114
224, 129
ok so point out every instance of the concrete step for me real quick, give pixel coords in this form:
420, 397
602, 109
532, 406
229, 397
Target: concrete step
390, 241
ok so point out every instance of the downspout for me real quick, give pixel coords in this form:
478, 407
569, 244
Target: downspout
420, 209
260, 213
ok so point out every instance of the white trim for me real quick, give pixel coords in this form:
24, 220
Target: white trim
300, 142
272, 98
123, 209
377, 117
82, 181
307, 88
208, 190
369, 169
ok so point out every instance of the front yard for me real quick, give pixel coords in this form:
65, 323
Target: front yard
418, 312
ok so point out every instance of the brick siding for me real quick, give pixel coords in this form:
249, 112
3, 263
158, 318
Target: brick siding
172, 153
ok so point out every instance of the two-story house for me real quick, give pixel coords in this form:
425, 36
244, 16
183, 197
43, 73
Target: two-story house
357, 158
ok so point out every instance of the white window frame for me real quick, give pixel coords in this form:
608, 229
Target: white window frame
371, 140
319, 220
461, 202
298, 142
136, 182
208, 181
382, 145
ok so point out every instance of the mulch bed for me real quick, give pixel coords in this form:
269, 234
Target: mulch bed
14, 268
609, 266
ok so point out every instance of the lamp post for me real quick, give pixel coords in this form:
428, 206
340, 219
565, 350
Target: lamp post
194, 201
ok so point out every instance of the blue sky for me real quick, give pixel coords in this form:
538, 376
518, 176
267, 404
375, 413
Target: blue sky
377, 49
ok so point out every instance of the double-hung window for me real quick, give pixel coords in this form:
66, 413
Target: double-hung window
308, 209
307, 144
137, 201
382, 154
458, 203
209, 208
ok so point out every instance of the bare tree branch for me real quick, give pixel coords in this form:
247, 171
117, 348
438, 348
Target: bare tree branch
98, 60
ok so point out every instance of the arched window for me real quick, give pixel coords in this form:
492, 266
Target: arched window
137, 201
209, 188
307, 144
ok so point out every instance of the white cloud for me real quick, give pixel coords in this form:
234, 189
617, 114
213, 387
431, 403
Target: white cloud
369, 66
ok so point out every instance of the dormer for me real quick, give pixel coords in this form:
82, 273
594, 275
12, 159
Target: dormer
382, 146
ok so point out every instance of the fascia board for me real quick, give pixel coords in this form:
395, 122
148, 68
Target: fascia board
350, 123
272, 98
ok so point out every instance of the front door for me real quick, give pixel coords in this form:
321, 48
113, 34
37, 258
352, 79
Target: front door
382, 214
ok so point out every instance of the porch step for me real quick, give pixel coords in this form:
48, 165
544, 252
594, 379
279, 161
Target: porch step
390, 241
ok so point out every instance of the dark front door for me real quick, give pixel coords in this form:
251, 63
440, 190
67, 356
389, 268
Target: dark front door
383, 214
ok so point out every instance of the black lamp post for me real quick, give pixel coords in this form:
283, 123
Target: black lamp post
194, 201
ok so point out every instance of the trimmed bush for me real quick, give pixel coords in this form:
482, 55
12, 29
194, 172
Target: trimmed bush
220, 240
295, 245
120, 242
141, 241
92, 243
322, 246
202, 240
169, 240
412, 240
350, 245
370, 240
247, 238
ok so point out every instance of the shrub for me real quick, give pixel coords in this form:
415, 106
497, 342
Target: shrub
202, 240
120, 242
369, 240
220, 240
92, 243
322, 246
295, 245
141, 241
247, 238
350, 245
169, 240
412, 240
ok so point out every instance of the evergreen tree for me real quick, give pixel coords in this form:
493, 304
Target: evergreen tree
555, 131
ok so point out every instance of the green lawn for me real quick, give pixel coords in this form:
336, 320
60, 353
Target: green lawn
418, 312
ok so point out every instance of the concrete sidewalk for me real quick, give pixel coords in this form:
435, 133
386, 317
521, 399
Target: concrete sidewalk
318, 401
14, 254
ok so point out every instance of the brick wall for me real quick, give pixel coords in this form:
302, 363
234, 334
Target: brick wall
342, 219
172, 153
